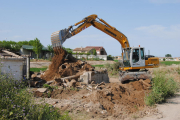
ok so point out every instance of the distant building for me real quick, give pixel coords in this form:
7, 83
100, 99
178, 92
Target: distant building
118, 57
83, 50
169, 58
28, 50
99, 50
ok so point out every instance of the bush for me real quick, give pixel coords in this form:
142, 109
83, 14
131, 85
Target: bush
163, 86
113, 69
17, 103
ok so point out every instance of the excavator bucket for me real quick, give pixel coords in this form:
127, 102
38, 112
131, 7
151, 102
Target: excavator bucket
59, 37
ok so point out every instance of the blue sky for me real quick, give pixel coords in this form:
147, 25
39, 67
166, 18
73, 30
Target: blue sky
153, 24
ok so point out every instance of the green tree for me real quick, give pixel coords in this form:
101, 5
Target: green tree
37, 46
109, 57
50, 48
87, 54
168, 55
31, 42
94, 52
5, 44
68, 50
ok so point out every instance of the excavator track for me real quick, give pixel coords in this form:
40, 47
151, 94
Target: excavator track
131, 75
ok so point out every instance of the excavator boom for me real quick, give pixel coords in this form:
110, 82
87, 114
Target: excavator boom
59, 37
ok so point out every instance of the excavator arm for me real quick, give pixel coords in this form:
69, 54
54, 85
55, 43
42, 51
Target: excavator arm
131, 65
57, 38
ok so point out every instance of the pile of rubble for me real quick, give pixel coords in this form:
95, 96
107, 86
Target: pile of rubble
6, 53
75, 86
67, 71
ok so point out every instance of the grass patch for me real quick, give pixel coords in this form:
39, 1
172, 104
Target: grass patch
16, 103
97, 65
163, 86
116, 60
169, 62
37, 69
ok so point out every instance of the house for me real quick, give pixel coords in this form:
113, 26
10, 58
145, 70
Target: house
118, 57
99, 50
101, 53
169, 58
83, 50
28, 50
177, 59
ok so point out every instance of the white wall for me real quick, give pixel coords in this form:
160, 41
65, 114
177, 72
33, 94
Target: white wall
14, 66
104, 57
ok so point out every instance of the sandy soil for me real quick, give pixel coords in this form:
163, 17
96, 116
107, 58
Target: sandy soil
168, 111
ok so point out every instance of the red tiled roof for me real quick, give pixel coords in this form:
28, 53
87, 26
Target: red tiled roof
95, 47
82, 49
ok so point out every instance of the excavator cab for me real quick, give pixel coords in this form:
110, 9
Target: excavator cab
133, 61
133, 57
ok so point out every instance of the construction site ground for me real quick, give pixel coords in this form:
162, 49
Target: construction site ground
103, 101
112, 101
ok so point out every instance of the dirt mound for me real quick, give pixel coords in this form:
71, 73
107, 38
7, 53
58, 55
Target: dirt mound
64, 65
117, 98
62, 94
112, 100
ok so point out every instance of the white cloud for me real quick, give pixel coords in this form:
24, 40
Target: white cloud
164, 1
171, 32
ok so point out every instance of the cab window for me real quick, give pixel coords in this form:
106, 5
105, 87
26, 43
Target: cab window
142, 53
135, 57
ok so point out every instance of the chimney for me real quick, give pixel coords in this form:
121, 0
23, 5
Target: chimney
81, 47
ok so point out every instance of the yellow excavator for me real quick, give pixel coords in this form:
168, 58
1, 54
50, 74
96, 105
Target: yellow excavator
134, 60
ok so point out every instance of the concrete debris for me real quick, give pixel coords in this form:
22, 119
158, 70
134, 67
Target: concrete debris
42, 90
12, 54
69, 72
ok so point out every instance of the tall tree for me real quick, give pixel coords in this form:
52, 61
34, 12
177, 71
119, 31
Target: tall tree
37, 46
94, 52
168, 55
31, 42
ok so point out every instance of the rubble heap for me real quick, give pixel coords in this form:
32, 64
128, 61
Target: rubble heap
64, 68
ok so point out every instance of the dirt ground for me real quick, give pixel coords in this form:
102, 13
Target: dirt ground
170, 110
111, 101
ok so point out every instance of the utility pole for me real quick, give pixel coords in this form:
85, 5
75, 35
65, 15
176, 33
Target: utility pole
148, 52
